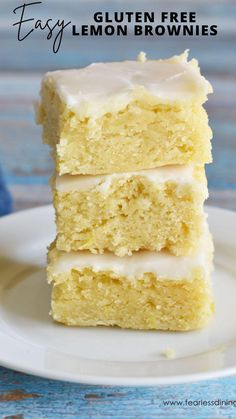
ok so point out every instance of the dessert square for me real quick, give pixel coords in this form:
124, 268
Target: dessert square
147, 290
126, 212
126, 116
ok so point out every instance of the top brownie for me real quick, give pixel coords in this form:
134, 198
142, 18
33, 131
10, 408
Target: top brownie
126, 116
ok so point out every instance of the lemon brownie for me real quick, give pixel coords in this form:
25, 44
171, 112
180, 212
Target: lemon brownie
147, 290
125, 212
126, 116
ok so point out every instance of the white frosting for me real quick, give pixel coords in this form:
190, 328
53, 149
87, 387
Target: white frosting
179, 174
142, 57
106, 87
162, 264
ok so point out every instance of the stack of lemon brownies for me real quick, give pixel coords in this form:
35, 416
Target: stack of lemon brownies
130, 140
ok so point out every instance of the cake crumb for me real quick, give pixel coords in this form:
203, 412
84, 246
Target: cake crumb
169, 353
142, 57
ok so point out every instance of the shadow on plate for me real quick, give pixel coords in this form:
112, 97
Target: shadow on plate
24, 291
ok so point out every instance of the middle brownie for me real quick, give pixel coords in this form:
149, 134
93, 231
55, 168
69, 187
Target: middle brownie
126, 212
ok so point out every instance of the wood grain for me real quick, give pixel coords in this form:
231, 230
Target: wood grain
27, 167
65, 400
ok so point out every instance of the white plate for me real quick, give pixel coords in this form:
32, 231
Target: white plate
31, 342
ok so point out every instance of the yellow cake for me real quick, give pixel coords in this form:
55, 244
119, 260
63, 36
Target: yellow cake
153, 210
148, 290
126, 116
130, 140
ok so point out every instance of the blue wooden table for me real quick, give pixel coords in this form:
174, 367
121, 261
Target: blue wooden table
26, 165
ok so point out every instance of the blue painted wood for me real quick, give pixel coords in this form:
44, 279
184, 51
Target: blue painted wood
33, 397
5, 197
27, 166
35, 52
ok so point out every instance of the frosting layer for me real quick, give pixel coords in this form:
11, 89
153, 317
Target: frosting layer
162, 264
178, 174
102, 87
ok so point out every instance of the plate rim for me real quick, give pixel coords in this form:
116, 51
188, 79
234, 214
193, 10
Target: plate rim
122, 381
108, 380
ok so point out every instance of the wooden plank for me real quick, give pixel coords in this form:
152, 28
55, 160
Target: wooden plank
32, 397
35, 53
27, 166
222, 11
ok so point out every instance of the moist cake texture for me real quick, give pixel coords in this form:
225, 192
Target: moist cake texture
145, 291
126, 116
129, 140
153, 210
